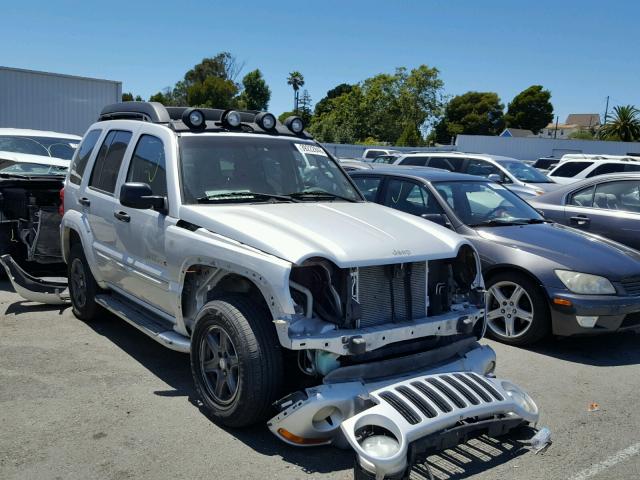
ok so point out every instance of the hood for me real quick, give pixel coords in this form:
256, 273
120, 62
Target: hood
348, 234
29, 158
568, 248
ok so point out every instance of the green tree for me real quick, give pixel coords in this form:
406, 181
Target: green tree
213, 92
531, 109
304, 107
624, 125
296, 80
344, 121
473, 113
582, 134
410, 137
324, 104
256, 93
224, 65
127, 97
139, 98
160, 98
284, 115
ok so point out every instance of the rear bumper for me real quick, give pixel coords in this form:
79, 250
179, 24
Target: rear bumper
615, 313
54, 292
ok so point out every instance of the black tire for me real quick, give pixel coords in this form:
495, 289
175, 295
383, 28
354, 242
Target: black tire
258, 370
82, 290
539, 327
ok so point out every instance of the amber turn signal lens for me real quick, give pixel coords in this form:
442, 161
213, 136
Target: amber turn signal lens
287, 435
562, 301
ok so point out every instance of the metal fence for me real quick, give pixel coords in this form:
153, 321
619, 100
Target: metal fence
356, 151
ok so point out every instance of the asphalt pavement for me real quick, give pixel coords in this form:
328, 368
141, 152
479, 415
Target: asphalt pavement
102, 401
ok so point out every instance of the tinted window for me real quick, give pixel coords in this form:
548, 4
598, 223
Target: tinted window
108, 161
83, 154
623, 195
570, 169
582, 198
411, 198
606, 168
148, 164
368, 186
481, 168
632, 167
445, 163
417, 161
374, 153
388, 159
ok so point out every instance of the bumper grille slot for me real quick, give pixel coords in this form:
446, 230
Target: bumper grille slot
427, 410
462, 389
428, 392
488, 386
631, 285
382, 303
402, 408
447, 392
473, 386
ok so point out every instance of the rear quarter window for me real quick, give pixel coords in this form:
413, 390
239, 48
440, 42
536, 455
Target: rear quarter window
570, 169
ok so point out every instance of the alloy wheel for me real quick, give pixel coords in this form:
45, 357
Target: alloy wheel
219, 365
78, 283
509, 309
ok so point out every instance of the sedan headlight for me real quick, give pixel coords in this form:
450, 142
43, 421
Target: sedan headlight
585, 283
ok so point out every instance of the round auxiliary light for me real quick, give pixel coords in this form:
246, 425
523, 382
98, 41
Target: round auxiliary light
295, 124
380, 446
266, 120
194, 118
232, 119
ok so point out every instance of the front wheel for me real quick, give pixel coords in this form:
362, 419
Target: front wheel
517, 310
236, 361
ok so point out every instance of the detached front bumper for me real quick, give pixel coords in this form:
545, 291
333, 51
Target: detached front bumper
613, 312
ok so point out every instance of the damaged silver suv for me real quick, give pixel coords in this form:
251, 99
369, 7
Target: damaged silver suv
239, 240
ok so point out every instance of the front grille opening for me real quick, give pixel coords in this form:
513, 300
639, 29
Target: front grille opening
401, 407
426, 409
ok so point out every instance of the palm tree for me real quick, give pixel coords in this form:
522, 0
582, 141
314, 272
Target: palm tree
625, 125
296, 80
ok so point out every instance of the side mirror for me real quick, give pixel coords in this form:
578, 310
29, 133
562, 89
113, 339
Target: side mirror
439, 218
139, 195
494, 177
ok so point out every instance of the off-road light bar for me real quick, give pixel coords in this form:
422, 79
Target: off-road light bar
295, 124
266, 120
194, 119
231, 118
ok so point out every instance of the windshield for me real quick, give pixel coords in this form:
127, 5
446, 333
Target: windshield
223, 169
23, 168
483, 203
525, 173
49, 147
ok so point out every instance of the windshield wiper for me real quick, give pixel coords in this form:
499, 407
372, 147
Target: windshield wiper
320, 194
242, 196
496, 222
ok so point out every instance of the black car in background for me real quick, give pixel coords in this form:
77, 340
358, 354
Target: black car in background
541, 277
607, 205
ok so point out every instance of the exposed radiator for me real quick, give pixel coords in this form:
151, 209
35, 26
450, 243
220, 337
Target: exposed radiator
381, 293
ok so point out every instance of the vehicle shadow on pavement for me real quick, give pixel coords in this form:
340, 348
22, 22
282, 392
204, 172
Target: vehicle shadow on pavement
173, 368
609, 350
25, 306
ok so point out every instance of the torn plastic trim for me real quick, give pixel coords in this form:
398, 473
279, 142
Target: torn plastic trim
32, 288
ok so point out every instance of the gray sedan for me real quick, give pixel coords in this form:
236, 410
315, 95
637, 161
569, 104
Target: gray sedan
542, 277
607, 205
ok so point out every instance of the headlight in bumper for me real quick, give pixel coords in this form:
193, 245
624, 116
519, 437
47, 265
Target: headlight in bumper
585, 283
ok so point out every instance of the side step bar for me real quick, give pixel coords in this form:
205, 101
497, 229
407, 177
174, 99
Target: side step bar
146, 322
35, 289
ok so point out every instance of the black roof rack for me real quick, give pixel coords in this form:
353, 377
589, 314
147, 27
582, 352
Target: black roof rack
172, 116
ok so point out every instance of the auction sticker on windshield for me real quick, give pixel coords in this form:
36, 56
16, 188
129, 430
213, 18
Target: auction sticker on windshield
312, 149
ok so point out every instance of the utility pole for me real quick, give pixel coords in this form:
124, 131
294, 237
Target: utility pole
606, 111
555, 132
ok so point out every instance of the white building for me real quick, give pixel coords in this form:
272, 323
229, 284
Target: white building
574, 123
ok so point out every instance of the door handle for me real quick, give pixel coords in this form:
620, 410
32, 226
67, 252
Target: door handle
122, 216
581, 220
84, 201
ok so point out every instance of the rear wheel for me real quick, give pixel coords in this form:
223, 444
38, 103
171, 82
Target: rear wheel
236, 361
517, 310
82, 285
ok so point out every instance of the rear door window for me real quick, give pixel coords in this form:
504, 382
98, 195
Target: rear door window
570, 169
446, 163
368, 186
415, 161
606, 168
82, 156
481, 168
410, 197
374, 153
107, 164
623, 196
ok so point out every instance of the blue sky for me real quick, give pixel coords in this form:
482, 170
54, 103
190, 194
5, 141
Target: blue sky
581, 50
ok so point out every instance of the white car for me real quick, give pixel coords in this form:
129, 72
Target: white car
370, 153
240, 241
516, 175
573, 170
39, 142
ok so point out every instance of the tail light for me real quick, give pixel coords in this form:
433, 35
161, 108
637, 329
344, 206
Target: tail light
61, 206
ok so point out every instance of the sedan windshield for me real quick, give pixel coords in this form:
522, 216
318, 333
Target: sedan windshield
46, 146
525, 173
24, 168
234, 169
486, 204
